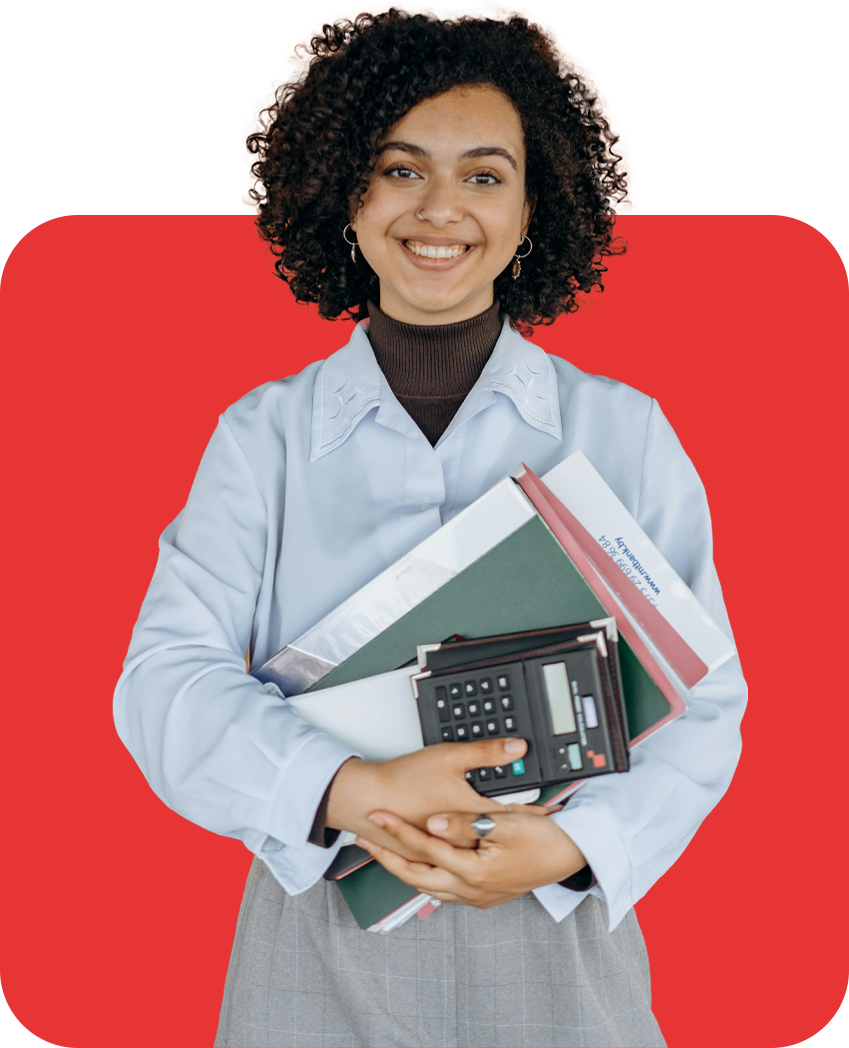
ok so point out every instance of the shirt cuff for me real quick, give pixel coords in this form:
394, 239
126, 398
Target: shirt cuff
301, 788
593, 830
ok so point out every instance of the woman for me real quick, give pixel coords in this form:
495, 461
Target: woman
445, 183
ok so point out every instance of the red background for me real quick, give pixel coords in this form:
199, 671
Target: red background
126, 336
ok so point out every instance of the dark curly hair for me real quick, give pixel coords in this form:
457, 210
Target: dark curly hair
319, 143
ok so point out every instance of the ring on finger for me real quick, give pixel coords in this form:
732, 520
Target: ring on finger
483, 826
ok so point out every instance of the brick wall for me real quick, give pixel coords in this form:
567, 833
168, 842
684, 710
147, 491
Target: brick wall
191, 74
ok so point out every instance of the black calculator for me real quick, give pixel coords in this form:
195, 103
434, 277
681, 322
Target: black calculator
562, 694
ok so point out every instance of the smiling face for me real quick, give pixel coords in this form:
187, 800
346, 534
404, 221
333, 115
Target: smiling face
445, 209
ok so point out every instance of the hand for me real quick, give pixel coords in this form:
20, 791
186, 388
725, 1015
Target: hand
416, 786
523, 852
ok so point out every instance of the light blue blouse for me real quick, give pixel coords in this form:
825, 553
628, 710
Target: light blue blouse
313, 484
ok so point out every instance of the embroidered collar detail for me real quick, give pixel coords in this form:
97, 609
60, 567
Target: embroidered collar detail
349, 384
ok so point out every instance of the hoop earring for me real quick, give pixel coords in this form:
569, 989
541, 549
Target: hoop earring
517, 265
353, 243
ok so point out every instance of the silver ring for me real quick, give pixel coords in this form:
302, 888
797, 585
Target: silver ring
419, 215
483, 826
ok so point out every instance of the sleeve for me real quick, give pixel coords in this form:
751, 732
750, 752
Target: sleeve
213, 744
631, 828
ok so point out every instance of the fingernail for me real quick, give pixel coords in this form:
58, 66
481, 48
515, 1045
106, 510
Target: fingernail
437, 823
514, 746
378, 820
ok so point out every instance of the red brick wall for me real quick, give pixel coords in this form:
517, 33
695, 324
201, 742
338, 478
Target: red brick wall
190, 77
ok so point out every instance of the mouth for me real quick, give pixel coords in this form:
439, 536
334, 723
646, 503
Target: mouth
436, 251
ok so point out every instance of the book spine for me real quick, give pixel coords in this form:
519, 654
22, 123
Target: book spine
680, 656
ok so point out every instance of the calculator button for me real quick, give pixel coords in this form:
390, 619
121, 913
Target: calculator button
442, 704
474, 709
492, 727
448, 734
506, 702
489, 706
518, 767
455, 691
484, 774
477, 729
504, 682
462, 733
459, 710
500, 773
470, 776
509, 723
561, 759
486, 686
470, 687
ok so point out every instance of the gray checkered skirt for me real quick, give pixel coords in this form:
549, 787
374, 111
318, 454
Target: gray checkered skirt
303, 974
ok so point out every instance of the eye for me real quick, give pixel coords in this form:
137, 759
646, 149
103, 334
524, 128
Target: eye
399, 171
487, 178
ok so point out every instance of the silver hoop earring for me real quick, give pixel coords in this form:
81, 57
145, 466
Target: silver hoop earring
353, 243
517, 265
419, 215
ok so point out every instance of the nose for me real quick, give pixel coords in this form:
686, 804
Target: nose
439, 204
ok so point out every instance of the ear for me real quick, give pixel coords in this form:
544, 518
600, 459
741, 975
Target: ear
528, 213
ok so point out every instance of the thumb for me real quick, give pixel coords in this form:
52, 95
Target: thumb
488, 753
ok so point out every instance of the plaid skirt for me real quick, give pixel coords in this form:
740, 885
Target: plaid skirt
303, 975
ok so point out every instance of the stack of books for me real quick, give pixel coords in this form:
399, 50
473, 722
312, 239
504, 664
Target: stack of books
529, 554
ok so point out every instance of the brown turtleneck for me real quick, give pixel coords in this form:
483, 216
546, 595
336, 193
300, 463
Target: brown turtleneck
431, 368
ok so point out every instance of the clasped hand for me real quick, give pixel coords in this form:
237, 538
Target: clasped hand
427, 840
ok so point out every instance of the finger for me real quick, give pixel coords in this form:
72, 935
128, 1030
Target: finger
489, 753
454, 827
427, 849
422, 876
457, 826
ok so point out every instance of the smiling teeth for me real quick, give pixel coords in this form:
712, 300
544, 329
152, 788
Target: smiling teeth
429, 251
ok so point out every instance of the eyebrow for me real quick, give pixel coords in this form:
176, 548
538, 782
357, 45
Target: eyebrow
470, 154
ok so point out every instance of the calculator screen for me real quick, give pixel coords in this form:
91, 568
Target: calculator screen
559, 699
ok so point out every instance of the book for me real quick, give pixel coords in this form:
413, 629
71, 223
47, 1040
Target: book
529, 554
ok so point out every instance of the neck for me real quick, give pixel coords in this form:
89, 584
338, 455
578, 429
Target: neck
433, 360
431, 367
406, 313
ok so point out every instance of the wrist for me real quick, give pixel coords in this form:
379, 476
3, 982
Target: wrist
570, 859
350, 787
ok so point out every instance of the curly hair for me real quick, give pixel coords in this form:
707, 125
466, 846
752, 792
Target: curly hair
319, 144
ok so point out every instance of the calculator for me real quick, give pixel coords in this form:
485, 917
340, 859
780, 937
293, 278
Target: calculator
564, 698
